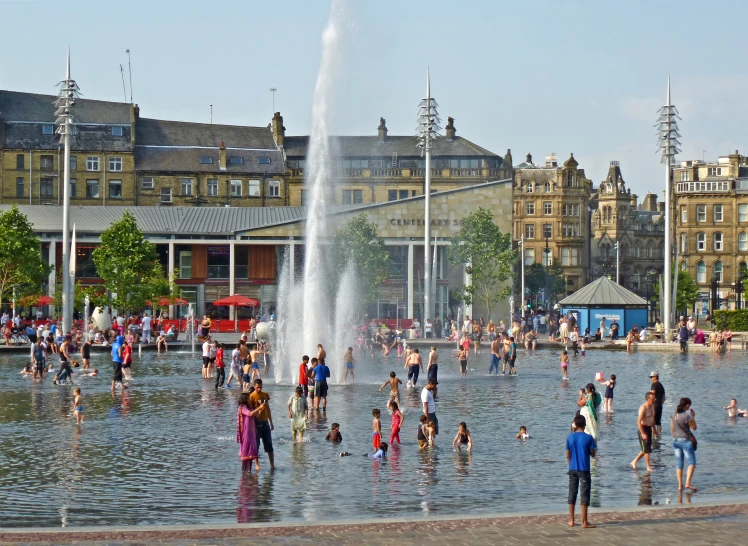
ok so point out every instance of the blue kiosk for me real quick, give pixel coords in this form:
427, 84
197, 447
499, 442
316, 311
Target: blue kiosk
604, 298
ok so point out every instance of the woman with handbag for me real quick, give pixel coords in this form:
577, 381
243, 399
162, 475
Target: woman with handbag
684, 442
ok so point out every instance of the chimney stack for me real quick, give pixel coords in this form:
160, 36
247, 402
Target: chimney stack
222, 157
449, 130
649, 203
382, 130
279, 132
508, 158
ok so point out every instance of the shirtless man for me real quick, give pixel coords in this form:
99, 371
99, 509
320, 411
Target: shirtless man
321, 354
507, 351
433, 367
495, 355
253, 354
645, 422
394, 384
414, 365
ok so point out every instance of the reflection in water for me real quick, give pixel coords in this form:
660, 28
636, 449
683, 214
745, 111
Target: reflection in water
164, 451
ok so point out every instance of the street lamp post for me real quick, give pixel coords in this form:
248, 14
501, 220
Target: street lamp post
651, 272
618, 277
547, 252
522, 262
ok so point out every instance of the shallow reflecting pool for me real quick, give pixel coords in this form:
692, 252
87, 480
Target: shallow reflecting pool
164, 451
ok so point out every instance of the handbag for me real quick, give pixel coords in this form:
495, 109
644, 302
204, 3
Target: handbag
688, 432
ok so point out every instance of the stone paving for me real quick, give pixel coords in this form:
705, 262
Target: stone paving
722, 524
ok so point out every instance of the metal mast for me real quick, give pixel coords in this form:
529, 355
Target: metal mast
669, 145
427, 130
65, 102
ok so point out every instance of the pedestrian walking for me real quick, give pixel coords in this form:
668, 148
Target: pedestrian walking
580, 446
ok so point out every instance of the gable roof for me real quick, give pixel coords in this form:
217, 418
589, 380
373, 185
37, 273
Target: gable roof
603, 291
35, 108
157, 132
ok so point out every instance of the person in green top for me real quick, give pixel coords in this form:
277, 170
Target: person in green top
512, 355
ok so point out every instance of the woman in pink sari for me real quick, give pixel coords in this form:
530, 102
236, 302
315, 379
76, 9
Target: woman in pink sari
246, 434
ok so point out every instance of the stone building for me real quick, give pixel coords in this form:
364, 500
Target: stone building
711, 222
638, 229
551, 209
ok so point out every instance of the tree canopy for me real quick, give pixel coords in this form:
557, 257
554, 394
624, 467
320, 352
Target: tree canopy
687, 294
129, 265
535, 279
21, 264
359, 245
488, 257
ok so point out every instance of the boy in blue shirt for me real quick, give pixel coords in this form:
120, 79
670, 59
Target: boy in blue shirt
580, 446
321, 373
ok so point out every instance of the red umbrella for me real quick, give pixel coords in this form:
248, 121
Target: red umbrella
164, 302
36, 300
237, 300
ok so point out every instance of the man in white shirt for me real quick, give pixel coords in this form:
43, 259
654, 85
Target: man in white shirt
236, 367
206, 356
429, 406
429, 328
146, 323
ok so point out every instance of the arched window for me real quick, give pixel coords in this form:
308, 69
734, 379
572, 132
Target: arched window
683, 243
701, 241
636, 279
650, 250
718, 271
701, 272
718, 241
743, 242
530, 187
743, 269
637, 250
548, 188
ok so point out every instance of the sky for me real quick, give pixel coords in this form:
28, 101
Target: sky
538, 76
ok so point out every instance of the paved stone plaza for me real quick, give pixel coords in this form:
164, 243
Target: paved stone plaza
720, 524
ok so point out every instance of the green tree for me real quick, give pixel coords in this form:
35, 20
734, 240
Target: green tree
488, 257
359, 245
129, 265
535, 279
687, 294
21, 264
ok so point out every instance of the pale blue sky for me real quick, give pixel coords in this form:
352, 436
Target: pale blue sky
541, 76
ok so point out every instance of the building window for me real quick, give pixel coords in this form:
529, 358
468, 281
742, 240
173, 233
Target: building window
530, 187
48, 129
115, 189
742, 241
548, 208
701, 242
92, 189
743, 213
187, 186
92, 163
570, 230
274, 188
548, 187
394, 195
570, 179
236, 188
637, 250
714, 171
166, 198
569, 256
685, 176
529, 231
637, 276
19, 186
701, 272
117, 131
547, 231
353, 197
683, 243
701, 213
263, 160
529, 256
304, 197
115, 164
47, 162
548, 257
185, 257
73, 163
20, 161
684, 215
234, 160
206, 160
212, 187
254, 188
46, 188
718, 241
147, 183
73, 188
650, 250
530, 208
718, 271
570, 209
717, 213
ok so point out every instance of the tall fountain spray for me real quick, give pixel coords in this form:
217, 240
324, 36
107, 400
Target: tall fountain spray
308, 313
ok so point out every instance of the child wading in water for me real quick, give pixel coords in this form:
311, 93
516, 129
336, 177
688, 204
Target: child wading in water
610, 384
522, 434
394, 384
380, 453
397, 422
334, 435
376, 425
462, 356
78, 406
425, 432
298, 412
349, 362
565, 365
463, 438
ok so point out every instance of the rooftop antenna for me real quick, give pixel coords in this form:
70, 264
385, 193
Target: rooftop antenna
129, 67
669, 145
122, 73
211, 114
427, 130
273, 90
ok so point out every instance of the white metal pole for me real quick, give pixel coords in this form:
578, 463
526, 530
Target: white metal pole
427, 217
618, 266
522, 260
667, 274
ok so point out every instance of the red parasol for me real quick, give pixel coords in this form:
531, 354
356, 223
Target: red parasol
237, 300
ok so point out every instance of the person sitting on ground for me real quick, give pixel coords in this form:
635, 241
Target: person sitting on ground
161, 343
531, 340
